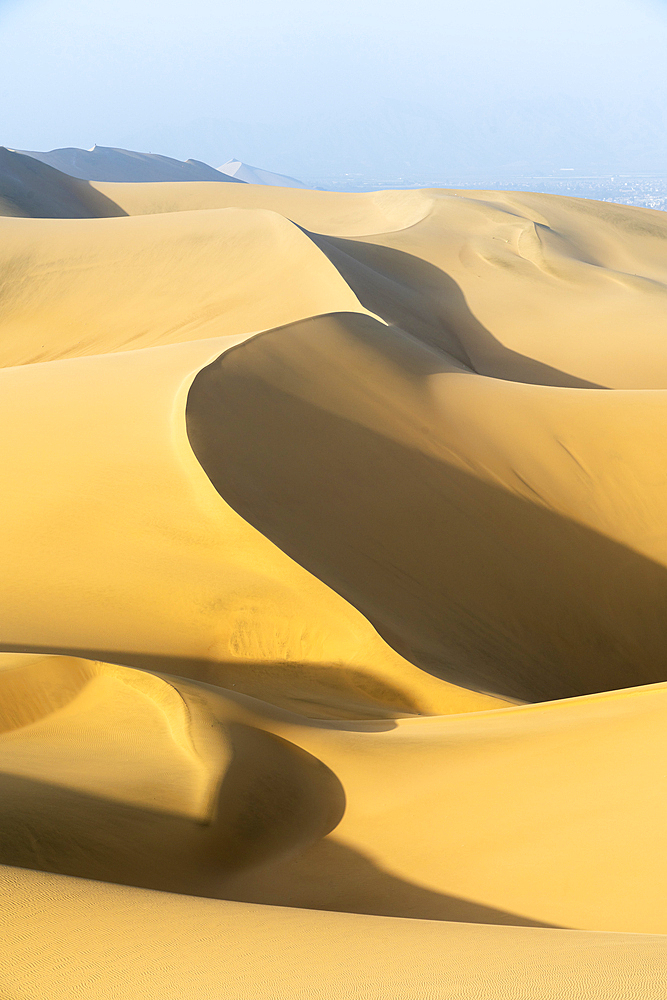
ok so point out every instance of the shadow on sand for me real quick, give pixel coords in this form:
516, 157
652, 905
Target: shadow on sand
49, 828
465, 579
423, 300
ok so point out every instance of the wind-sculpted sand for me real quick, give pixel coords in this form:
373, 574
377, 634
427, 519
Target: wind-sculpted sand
334, 572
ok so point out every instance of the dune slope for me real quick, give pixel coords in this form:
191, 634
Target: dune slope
142, 563
76, 289
104, 163
465, 817
255, 175
30, 189
130, 941
466, 517
333, 573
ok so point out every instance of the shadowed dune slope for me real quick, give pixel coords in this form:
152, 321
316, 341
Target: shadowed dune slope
203, 797
169, 784
468, 518
115, 545
32, 189
105, 163
533, 288
333, 575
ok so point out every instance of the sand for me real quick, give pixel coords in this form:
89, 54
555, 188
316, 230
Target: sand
333, 583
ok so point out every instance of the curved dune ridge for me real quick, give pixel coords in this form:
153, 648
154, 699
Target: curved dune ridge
334, 566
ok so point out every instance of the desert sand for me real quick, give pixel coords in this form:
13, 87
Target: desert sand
334, 566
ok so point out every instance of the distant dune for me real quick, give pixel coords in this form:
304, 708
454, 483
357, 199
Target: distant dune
255, 175
31, 189
104, 163
334, 572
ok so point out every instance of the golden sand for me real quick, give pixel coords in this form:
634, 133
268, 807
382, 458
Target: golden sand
333, 582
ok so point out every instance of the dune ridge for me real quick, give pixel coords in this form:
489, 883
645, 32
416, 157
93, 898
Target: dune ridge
256, 175
87, 285
333, 584
30, 189
231, 798
105, 163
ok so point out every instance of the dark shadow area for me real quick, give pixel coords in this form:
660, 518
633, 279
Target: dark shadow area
423, 300
463, 578
330, 876
263, 813
42, 192
274, 799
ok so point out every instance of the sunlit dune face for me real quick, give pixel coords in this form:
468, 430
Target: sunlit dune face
190, 799
334, 570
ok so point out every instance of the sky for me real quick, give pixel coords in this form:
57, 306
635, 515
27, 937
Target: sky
423, 90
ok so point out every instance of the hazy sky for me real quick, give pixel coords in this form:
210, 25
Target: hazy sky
303, 84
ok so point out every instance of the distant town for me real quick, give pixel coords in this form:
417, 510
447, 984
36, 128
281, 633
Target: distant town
643, 190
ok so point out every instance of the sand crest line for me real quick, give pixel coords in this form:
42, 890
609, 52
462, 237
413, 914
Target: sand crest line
333, 580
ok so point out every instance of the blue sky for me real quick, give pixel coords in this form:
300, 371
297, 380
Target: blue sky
303, 84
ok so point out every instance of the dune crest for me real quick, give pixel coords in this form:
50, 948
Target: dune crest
104, 163
30, 189
448, 561
333, 580
204, 797
157, 280
418, 817
255, 175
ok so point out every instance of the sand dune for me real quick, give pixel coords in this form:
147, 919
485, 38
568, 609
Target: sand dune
333, 583
435, 501
116, 941
194, 589
157, 280
322, 211
442, 818
104, 163
255, 175
29, 189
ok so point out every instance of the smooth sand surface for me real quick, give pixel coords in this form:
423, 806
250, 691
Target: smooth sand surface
332, 646
123, 284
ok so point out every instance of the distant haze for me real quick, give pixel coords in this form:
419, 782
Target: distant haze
423, 91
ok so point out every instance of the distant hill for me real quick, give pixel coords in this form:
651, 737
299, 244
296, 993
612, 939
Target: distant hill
240, 171
31, 189
105, 163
